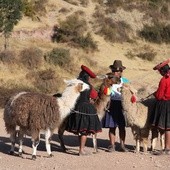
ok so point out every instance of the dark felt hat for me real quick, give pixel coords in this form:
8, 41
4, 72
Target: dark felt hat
88, 71
117, 66
160, 65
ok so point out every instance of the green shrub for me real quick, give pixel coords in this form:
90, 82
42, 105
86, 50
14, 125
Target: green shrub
72, 31
31, 58
86, 42
157, 33
58, 56
71, 28
34, 9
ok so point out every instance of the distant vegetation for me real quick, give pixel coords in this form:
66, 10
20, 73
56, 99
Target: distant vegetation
158, 33
144, 53
73, 31
34, 8
76, 31
10, 14
59, 56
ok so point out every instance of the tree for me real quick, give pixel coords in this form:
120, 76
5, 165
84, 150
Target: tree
10, 14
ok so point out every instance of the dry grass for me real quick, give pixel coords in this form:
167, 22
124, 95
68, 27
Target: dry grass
137, 71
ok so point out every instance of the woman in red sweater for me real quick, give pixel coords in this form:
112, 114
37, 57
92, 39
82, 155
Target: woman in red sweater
161, 115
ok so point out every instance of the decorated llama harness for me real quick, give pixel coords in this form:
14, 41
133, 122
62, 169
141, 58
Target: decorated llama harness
106, 91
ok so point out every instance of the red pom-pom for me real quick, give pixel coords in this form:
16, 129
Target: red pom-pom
133, 99
93, 93
105, 90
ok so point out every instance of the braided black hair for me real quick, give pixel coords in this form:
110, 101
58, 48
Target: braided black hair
84, 77
164, 69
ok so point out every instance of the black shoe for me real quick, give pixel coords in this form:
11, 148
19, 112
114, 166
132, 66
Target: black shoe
123, 149
167, 151
111, 148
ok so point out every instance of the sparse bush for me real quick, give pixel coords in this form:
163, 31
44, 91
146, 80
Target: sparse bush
31, 58
84, 2
150, 56
73, 2
40, 6
130, 55
99, 2
146, 53
74, 24
8, 57
34, 9
72, 27
157, 33
64, 10
79, 12
45, 81
6, 93
58, 56
72, 31
99, 14
114, 31
86, 42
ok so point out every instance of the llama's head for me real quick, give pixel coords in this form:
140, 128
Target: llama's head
111, 79
78, 84
108, 80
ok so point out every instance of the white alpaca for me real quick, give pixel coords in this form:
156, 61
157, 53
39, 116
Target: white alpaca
100, 103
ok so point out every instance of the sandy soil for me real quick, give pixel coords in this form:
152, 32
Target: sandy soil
70, 160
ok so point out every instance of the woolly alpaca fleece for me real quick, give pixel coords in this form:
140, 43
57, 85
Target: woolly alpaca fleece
34, 112
137, 113
29, 110
100, 103
137, 116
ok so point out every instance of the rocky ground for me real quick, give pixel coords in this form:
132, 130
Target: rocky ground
70, 160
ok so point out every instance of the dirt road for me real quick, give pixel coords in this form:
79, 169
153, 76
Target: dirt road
71, 161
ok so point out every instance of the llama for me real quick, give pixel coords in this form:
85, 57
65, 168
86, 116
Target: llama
137, 115
35, 112
101, 104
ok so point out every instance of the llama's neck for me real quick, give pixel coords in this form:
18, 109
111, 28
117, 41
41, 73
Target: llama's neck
67, 101
129, 108
101, 105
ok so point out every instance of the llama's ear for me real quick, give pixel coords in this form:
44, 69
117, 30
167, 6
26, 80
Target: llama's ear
70, 82
67, 82
132, 89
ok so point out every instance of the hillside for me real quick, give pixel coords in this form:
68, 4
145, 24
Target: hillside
31, 33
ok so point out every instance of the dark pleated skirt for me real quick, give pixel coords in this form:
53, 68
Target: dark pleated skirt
160, 118
84, 120
115, 116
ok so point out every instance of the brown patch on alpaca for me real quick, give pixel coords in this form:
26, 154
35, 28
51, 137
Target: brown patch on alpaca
27, 111
79, 87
